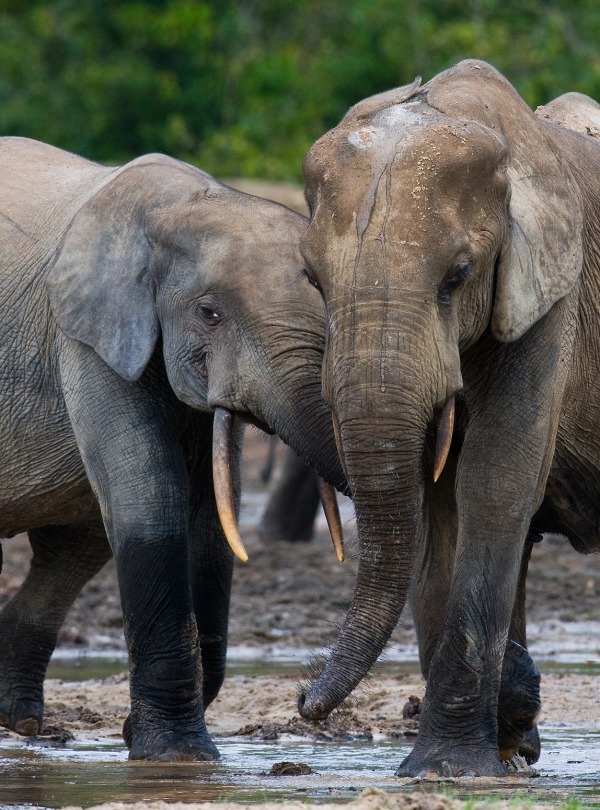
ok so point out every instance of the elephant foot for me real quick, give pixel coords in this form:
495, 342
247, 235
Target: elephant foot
519, 705
22, 715
531, 746
451, 762
168, 745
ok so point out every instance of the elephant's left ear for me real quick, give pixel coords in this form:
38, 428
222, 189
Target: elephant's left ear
100, 287
541, 259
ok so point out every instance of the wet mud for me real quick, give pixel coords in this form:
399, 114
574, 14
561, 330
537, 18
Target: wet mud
288, 602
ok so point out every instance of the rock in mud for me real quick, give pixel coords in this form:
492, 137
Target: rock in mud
290, 769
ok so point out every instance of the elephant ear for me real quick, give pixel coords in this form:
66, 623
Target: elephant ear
542, 256
100, 288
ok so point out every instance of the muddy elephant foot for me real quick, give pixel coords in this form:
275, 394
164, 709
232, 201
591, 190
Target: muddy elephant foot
451, 761
22, 715
183, 744
519, 705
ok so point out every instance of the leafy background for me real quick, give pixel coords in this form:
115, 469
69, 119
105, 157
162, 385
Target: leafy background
243, 87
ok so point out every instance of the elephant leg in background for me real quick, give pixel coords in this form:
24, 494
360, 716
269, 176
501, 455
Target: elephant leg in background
293, 505
519, 696
64, 559
211, 558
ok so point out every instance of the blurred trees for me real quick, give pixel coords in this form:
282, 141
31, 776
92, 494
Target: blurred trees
243, 87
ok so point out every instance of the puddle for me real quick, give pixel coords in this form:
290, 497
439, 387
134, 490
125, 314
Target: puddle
85, 775
76, 665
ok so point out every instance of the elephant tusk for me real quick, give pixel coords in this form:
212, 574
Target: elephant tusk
221, 464
332, 514
337, 434
444, 438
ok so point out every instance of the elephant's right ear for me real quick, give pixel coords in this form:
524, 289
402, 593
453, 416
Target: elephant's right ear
100, 288
542, 257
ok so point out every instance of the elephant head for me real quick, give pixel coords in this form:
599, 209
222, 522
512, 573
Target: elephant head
439, 215
161, 253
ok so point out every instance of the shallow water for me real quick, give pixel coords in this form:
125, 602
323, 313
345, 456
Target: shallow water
86, 775
79, 666
51, 777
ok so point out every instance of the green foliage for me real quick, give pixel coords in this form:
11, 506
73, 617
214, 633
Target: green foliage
243, 87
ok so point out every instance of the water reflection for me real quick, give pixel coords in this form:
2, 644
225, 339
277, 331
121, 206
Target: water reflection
80, 775
85, 775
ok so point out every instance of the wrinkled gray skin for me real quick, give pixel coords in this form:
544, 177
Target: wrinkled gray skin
134, 301
455, 236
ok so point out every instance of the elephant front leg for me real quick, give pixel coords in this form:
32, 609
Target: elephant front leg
513, 394
166, 722
458, 732
129, 436
474, 677
64, 559
211, 559
519, 697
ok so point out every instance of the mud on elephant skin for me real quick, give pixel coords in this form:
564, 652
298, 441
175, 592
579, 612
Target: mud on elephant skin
454, 236
135, 303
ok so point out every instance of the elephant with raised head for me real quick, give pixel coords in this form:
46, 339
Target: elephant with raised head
135, 303
455, 238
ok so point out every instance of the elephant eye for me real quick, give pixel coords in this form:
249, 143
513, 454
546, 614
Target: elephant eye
210, 315
457, 275
312, 280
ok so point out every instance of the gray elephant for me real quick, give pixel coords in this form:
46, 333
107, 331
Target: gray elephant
455, 238
136, 302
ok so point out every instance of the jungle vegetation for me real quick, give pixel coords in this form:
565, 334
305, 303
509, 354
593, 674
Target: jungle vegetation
243, 87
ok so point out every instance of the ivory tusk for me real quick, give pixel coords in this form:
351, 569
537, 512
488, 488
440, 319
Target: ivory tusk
332, 514
337, 434
444, 438
221, 464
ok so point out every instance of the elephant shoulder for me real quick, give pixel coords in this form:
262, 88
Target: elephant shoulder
159, 165
573, 111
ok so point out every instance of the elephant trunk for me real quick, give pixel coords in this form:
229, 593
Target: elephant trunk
384, 464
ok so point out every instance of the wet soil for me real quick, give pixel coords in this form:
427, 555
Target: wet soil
370, 799
292, 596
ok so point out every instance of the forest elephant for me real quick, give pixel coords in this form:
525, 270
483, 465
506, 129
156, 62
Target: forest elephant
455, 239
137, 303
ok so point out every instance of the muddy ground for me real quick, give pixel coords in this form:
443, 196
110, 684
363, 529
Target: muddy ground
293, 596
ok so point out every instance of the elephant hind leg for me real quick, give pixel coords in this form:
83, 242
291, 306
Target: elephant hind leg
519, 698
518, 704
64, 559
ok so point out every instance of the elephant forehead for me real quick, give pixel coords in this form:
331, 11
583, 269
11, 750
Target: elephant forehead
403, 163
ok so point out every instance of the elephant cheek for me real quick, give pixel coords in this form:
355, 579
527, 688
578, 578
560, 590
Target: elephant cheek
189, 381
